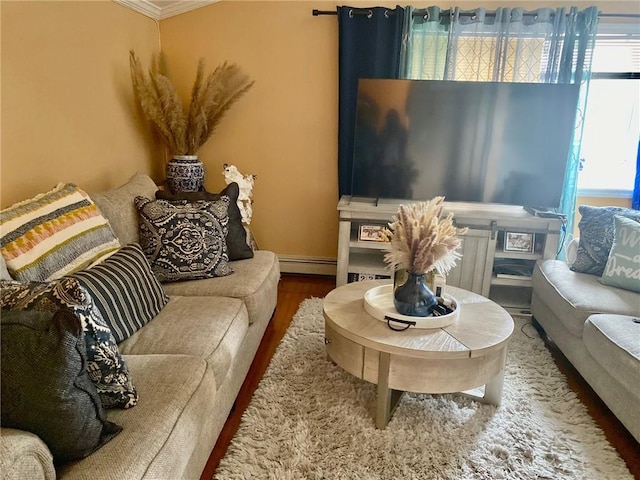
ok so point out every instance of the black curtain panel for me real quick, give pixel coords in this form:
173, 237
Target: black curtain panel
370, 40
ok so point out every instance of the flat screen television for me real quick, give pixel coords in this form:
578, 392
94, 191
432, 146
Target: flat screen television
469, 141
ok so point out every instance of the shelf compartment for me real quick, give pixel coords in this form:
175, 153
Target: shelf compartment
512, 297
368, 263
538, 245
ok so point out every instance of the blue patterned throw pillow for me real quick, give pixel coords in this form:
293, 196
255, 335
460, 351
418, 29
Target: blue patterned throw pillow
596, 236
185, 240
237, 245
105, 365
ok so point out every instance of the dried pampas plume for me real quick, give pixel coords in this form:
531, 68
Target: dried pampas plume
421, 239
211, 97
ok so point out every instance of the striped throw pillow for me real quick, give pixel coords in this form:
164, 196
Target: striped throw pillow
54, 234
124, 290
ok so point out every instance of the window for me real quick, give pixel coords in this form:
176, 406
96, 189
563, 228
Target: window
612, 118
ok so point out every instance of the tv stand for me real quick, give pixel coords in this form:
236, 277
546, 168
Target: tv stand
489, 249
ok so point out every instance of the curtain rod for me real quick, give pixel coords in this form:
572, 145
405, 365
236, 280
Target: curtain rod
365, 11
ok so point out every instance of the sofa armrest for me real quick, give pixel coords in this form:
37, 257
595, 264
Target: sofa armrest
24, 456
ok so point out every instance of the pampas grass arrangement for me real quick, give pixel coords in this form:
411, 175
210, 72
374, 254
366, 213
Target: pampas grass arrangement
185, 131
421, 239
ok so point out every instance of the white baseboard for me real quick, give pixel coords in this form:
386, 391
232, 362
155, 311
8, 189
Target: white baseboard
307, 265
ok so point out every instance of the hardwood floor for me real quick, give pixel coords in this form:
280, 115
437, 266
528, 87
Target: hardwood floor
293, 289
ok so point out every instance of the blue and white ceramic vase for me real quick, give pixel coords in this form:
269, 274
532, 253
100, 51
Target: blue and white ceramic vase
414, 298
185, 173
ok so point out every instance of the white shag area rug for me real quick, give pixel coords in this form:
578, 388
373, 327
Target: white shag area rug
309, 419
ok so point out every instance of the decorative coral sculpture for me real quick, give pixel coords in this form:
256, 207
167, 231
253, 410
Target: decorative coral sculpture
245, 182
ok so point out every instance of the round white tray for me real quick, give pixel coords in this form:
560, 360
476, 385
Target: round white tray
378, 302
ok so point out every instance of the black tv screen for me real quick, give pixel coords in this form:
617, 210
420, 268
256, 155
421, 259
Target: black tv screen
469, 141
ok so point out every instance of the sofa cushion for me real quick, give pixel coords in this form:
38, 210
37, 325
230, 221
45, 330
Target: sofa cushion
106, 367
176, 392
124, 290
255, 281
117, 205
185, 241
623, 265
24, 455
596, 236
575, 296
46, 387
53, 234
614, 341
237, 245
211, 328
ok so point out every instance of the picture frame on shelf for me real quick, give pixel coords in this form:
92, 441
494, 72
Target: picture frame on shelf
519, 242
371, 233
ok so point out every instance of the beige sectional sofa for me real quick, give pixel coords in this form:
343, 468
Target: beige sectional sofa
187, 364
596, 327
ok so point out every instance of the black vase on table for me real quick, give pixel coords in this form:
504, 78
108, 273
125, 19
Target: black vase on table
414, 298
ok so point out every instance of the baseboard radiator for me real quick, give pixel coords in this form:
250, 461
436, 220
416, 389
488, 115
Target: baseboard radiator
307, 265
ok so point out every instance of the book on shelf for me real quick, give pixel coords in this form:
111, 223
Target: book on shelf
358, 277
513, 276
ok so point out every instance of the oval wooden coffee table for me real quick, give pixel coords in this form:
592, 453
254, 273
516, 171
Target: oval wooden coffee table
467, 354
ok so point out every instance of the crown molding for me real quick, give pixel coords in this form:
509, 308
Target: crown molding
182, 7
152, 10
141, 6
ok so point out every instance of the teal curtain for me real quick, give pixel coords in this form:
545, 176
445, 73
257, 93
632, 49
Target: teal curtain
507, 45
425, 43
572, 48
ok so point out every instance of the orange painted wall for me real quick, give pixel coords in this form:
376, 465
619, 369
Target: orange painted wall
67, 105
68, 111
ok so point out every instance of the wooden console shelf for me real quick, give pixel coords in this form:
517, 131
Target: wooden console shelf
483, 251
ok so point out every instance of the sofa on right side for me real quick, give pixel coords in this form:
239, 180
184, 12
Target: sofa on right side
591, 319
